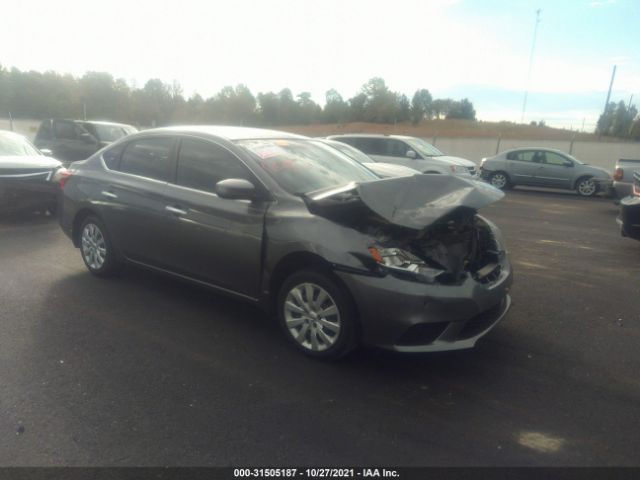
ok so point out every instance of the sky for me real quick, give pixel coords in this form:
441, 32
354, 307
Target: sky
478, 49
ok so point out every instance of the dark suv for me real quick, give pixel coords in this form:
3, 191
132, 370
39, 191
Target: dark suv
299, 228
71, 140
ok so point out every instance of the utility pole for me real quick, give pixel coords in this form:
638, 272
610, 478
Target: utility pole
533, 46
606, 103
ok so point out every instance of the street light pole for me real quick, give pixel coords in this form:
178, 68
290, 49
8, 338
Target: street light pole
606, 103
533, 46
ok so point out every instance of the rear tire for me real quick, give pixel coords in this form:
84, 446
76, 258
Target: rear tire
96, 248
500, 180
316, 315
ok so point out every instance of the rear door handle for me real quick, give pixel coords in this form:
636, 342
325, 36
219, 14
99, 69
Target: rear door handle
108, 194
176, 210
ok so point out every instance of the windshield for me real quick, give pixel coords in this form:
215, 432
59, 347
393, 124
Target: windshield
12, 144
351, 152
106, 133
574, 159
424, 148
302, 166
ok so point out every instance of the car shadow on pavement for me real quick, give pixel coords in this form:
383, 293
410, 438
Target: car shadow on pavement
14, 219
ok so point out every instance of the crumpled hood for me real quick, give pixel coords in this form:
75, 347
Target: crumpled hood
463, 162
28, 161
420, 200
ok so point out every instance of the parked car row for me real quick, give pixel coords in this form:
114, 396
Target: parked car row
72, 140
28, 178
544, 167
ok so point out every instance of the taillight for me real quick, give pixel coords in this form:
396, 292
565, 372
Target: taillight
618, 174
636, 190
63, 176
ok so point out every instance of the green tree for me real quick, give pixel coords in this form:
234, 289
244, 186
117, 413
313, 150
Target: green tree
421, 105
335, 108
461, 109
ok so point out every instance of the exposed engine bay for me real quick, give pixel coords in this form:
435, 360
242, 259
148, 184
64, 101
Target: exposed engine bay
424, 226
446, 251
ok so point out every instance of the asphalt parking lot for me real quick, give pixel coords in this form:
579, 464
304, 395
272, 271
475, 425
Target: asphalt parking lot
146, 370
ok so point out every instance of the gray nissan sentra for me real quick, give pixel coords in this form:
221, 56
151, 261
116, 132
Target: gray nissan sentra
294, 226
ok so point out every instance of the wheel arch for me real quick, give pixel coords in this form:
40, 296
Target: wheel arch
294, 262
581, 177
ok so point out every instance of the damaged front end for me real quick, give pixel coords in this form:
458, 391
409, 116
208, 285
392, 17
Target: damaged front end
423, 227
446, 253
439, 275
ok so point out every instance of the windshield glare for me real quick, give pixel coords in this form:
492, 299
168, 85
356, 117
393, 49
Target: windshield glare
106, 133
302, 166
424, 148
351, 152
12, 144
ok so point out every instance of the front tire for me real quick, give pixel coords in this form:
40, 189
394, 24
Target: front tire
317, 315
96, 248
586, 187
500, 180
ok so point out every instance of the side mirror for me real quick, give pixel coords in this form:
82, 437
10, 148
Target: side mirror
568, 163
235, 189
411, 154
88, 138
46, 152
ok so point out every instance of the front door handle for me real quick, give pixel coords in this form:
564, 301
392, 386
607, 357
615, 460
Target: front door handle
176, 210
109, 194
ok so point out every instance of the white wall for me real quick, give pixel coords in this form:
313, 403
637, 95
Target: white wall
602, 154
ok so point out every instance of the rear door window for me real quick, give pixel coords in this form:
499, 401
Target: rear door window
148, 157
522, 156
202, 164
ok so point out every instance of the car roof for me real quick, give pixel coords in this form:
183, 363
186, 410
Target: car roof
9, 133
227, 132
370, 135
100, 122
546, 149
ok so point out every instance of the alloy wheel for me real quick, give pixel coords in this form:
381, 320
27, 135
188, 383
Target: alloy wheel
94, 246
499, 180
312, 317
586, 187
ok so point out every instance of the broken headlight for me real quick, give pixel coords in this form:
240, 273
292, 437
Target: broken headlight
404, 263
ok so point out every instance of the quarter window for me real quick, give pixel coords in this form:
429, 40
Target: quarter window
148, 157
203, 164
112, 156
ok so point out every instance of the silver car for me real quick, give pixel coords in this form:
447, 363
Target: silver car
383, 170
410, 152
544, 167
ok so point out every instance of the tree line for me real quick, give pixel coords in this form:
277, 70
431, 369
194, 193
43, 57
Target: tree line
620, 120
30, 94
